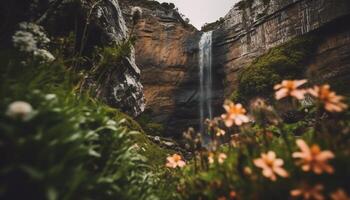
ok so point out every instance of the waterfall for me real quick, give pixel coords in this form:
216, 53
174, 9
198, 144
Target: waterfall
205, 78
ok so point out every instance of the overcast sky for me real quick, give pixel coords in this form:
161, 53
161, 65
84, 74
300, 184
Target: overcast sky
202, 11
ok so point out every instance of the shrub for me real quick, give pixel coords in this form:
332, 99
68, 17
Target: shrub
283, 62
269, 159
71, 146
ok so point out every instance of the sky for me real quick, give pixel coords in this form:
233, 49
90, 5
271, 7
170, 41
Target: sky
203, 11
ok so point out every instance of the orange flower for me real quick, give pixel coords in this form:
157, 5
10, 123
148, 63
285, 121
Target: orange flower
308, 192
290, 88
233, 195
221, 158
175, 161
219, 132
340, 195
235, 114
313, 158
247, 171
211, 158
271, 165
332, 102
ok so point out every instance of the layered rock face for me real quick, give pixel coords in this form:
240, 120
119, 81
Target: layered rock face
167, 53
167, 50
251, 28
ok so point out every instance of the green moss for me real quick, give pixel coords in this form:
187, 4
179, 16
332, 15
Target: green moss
283, 62
149, 126
155, 155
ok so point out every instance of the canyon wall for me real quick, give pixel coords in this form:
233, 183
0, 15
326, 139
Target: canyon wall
251, 28
167, 50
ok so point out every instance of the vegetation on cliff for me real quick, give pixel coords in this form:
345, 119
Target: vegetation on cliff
282, 62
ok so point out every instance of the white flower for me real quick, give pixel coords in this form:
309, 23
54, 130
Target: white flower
50, 97
136, 10
19, 110
24, 41
44, 55
37, 31
31, 38
136, 13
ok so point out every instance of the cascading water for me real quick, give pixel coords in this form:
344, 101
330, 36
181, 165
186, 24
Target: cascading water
205, 78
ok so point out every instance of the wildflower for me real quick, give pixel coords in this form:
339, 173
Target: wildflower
175, 161
222, 157
247, 171
44, 55
308, 192
264, 113
235, 114
332, 102
136, 13
24, 41
189, 134
313, 158
50, 97
236, 140
214, 125
233, 195
290, 88
340, 195
19, 110
211, 158
31, 39
271, 165
219, 132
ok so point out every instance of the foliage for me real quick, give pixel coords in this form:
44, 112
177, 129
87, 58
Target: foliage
238, 175
71, 146
149, 126
282, 62
109, 56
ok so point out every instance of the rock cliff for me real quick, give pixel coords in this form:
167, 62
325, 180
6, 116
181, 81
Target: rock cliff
124, 89
166, 52
251, 28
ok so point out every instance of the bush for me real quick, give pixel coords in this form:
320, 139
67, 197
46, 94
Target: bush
149, 126
266, 158
71, 146
284, 62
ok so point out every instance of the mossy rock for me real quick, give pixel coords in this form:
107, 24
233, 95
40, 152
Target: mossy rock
283, 62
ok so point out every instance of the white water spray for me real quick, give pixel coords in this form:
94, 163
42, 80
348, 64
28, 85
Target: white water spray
205, 78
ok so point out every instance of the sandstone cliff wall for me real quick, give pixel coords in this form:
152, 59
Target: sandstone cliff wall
250, 30
166, 52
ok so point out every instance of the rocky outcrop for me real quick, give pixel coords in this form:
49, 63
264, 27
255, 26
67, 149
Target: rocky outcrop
251, 28
66, 20
123, 89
